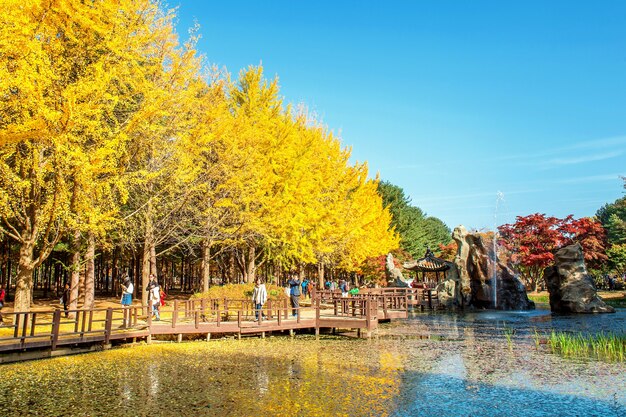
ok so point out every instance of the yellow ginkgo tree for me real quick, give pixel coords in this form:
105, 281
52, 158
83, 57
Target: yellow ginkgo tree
74, 75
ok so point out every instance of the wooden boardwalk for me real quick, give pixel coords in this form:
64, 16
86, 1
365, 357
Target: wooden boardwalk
44, 332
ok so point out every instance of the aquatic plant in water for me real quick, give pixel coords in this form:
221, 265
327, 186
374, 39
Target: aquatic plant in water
508, 333
604, 346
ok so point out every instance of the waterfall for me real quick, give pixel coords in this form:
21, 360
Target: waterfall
494, 287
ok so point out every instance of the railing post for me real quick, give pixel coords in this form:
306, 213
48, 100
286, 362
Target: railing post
108, 324
77, 320
286, 305
136, 316
82, 327
32, 324
90, 320
175, 314
56, 324
317, 317
24, 327
16, 330
384, 306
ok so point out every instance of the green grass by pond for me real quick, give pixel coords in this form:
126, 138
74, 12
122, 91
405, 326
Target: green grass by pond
618, 301
605, 346
539, 298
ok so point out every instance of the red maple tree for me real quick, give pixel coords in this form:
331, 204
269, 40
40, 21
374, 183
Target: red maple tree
447, 252
591, 236
533, 239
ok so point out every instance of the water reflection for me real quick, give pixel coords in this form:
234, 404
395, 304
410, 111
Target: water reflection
431, 364
486, 324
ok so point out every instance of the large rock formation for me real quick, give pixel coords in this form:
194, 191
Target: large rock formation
571, 288
394, 274
449, 290
463, 244
485, 283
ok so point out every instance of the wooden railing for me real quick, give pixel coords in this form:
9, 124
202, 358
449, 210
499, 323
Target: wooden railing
43, 329
388, 296
51, 328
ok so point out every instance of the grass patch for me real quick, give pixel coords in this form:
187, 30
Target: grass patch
604, 346
616, 302
613, 298
539, 298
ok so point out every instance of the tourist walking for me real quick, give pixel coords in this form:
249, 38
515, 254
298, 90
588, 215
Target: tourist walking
305, 284
154, 297
65, 298
294, 295
259, 296
2, 297
344, 287
127, 299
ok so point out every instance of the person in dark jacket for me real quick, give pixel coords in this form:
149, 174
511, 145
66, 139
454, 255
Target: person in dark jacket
294, 294
65, 298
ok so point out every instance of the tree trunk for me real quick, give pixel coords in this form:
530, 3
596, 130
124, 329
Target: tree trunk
114, 274
206, 270
145, 271
251, 269
81, 285
320, 275
24, 283
153, 259
231, 268
74, 273
90, 275
146, 265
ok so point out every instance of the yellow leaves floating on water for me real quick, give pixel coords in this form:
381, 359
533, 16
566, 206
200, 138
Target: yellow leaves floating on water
276, 376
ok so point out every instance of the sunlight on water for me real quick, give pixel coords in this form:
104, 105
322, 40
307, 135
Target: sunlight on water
430, 365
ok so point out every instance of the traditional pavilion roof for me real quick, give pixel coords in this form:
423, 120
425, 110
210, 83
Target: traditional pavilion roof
429, 263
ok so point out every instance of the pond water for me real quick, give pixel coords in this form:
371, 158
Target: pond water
427, 365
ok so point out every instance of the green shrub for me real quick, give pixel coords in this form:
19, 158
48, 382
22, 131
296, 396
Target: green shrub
239, 291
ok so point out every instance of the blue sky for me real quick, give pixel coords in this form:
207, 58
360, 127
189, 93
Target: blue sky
454, 101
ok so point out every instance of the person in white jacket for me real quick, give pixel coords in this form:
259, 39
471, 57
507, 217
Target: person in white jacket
259, 297
154, 296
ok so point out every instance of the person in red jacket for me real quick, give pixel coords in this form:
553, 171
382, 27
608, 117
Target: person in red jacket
2, 295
